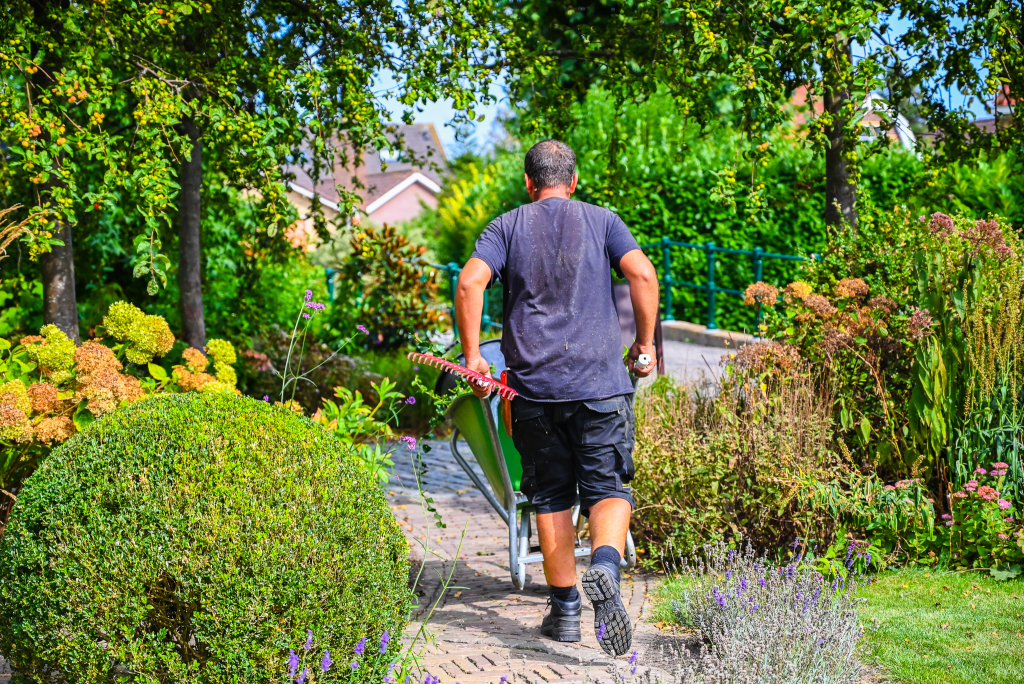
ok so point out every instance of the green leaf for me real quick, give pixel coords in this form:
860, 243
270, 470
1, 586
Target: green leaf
83, 417
158, 372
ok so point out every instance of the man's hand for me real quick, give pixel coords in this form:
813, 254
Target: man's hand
634, 352
480, 365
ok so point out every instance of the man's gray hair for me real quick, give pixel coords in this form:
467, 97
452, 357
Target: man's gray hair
551, 164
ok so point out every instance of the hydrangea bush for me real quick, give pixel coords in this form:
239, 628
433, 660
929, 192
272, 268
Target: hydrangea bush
50, 389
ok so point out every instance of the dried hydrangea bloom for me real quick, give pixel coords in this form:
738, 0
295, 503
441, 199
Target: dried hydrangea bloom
819, 305
760, 293
107, 389
14, 424
883, 304
851, 288
942, 226
14, 394
195, 360
222, 351
56, 354
768, 355
55, 429
44, 396
31, 339
92, 357
189, 381
796, 291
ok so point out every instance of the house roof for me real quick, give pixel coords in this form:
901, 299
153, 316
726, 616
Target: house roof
422, 160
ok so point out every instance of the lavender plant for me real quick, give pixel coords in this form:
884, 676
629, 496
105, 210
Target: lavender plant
761, 623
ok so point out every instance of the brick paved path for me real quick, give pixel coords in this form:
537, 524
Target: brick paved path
482, 627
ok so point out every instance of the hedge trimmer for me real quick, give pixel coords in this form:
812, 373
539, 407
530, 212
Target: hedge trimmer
501, 388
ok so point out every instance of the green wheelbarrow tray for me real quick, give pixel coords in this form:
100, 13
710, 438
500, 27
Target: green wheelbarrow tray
476, 421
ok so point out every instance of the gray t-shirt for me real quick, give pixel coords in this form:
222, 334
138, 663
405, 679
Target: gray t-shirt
561, 337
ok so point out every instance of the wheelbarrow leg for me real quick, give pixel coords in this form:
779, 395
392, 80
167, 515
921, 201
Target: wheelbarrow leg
518, 536
629, 559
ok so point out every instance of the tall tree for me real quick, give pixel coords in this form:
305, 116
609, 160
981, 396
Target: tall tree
265, 83
759, 52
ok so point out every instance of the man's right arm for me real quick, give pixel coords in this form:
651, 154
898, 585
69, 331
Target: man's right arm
469, 306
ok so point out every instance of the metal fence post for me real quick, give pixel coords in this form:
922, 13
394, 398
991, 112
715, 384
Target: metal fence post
758, 275
329, 274
666, 267
453, 280
710, 247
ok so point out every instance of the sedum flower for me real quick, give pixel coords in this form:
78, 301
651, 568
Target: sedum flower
760, 293
851, 288
1003, 504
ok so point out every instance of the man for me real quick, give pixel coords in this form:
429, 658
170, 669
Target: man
573, 419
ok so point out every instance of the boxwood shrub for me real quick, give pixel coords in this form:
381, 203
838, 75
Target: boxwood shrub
200, 538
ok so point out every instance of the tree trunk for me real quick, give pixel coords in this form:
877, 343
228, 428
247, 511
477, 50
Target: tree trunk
60, 306
190, 283
840, 193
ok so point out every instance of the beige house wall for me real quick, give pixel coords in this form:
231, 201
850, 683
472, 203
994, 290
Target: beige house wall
405, 205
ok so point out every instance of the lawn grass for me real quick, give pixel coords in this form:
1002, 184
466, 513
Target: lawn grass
946, 628
969, 633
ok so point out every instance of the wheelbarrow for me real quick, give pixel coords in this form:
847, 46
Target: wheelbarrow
476, 421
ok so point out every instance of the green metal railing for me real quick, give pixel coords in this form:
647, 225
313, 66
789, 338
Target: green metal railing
757, 254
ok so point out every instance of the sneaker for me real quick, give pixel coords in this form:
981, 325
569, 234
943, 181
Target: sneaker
611, 621
562, 623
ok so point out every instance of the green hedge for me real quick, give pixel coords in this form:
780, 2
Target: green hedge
196, 538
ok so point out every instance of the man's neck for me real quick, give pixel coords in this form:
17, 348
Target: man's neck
545, 193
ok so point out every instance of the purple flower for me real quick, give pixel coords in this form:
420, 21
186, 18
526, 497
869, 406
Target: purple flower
309, 295
411, 441
302, 677
325, 664
410, 400
632, 658
266, 398
385, 637
361, 646
293, 664
761, 582
415, 368
362, 328
600, 633
305, 315
743, 584
796, 542
503, 679
728, 575
354, 665
309, 639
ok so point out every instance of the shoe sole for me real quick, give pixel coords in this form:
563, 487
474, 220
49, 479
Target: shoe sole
600, 588
565, 638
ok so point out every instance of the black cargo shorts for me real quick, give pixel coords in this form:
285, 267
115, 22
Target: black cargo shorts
570, 444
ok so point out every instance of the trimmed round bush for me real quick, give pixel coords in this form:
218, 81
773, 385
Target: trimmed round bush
201, 538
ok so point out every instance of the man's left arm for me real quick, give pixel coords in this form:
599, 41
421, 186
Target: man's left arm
643, 291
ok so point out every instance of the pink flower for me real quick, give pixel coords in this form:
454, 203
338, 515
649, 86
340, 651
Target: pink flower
1001, 535
410, 441
946, 516
980, 471
960, 495
1000, 466
971, 485
887, 487
1003, 504
949, 523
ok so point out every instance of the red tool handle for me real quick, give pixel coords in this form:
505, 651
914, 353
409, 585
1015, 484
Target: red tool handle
501, 388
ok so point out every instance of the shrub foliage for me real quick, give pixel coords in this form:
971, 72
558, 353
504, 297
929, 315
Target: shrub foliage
197, 538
